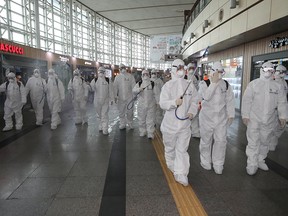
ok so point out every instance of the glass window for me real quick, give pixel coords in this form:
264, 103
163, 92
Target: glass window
16, 7
18, 37
275, 61
115, 44
233, 74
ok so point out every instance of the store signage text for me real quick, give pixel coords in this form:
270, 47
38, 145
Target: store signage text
11, 49
204, 59
87, 63
279, 42
64, 59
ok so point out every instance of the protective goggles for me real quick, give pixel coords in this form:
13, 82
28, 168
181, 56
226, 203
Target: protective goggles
212, 71
153, 73
271, 70
219, 71
146, 74
178, 67
281, 71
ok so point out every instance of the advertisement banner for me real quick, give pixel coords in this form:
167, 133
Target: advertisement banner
161, 45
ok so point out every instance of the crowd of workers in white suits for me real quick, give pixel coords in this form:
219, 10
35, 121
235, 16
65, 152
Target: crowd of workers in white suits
184, 106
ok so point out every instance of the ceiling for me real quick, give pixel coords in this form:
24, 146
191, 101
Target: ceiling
149, 17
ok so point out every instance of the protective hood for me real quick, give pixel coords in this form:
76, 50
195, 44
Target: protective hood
177, 70
36, 73
266, 71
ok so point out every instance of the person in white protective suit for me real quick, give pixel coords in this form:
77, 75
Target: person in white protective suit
146, 105
37, 88
158, 84
217, 113
15, 99
7, 71
278, 130
55, 97
262, 99
78, 89
191, 67
179, 100
123, 85
103, 94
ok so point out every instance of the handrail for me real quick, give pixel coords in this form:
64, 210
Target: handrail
196, 4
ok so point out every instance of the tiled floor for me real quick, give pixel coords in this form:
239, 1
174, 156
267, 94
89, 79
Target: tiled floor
64, 172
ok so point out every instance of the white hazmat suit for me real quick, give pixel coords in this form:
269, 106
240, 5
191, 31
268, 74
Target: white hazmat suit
195, 121
15, 99
158, 84
260, 102
177, 133
37, 88
278, 130
55, 97
78, 89
217, 113
146, 105
103, 93
123, 85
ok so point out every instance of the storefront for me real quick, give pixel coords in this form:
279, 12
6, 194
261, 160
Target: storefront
275, 58
88, 69
233, 74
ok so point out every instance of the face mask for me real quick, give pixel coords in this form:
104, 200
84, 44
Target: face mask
267, 74
277, 75
145, 77
36, 75
282, 75
180, 73
76, 74
101, 75
153, 75
123, 70
220, 75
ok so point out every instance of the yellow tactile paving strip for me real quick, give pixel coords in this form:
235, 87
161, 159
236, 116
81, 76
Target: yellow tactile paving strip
185, 198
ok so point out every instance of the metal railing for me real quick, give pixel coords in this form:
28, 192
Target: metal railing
197, 8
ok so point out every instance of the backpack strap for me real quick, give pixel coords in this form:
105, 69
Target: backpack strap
19, 84
227, 84
96, 78
139, 83
152, 84
207, 82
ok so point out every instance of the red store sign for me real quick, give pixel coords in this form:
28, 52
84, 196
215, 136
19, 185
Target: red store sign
11, 49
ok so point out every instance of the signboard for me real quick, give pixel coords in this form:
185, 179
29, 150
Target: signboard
279, 42
161, 45
11, 49
172, 57
64, 59
158, 48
